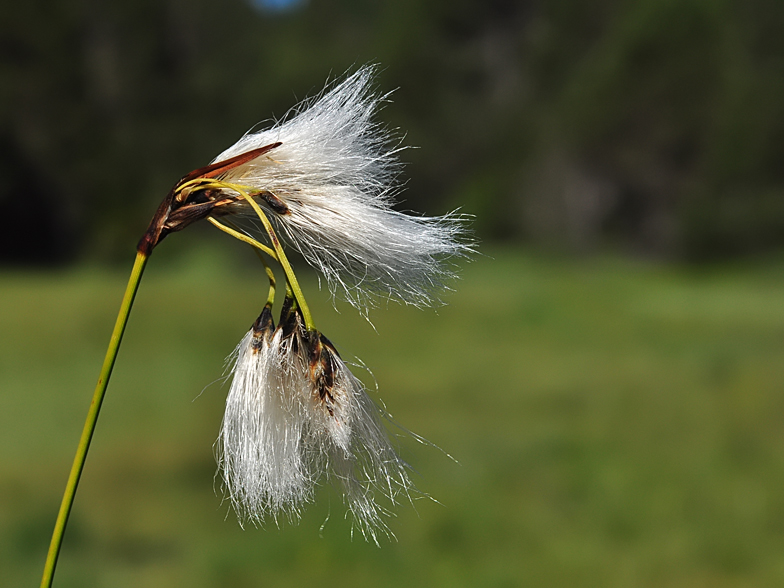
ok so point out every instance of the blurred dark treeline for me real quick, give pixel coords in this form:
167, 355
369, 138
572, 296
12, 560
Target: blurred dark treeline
654, 126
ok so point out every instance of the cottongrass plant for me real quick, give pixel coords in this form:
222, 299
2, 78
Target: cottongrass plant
324, 179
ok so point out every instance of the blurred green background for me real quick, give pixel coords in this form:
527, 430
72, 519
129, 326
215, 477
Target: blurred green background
607, 374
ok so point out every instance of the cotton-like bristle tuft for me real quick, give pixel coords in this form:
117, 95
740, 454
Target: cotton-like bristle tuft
336, 172
280, 436
259, 448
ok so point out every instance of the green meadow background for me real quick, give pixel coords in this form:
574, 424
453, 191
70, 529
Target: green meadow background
614, 422
608, 374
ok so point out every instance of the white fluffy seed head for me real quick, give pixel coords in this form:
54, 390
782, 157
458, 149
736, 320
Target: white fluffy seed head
259, 448
335, 170
280, 437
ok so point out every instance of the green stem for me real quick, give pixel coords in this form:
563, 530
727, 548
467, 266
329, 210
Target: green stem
279, 253
270, 275
230, 230
92, 417
284, 263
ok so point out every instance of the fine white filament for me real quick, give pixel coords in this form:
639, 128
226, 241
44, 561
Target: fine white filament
279, 440
259, 449
335, 170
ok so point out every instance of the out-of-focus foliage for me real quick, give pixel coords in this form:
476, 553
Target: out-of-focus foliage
617, 424
655, 125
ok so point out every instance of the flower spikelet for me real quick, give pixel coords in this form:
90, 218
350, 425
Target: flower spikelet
360, 457
295, 415
259, 449
330, 185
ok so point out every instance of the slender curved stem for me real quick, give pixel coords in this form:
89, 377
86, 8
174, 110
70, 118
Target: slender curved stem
281, 255
242, 237
291, 278
232, 230
92, 417
270, 275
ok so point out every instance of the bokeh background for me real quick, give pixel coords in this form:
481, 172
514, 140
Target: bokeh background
608, 373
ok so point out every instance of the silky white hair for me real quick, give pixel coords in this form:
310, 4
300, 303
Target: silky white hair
259, 448
336, 170
278, 439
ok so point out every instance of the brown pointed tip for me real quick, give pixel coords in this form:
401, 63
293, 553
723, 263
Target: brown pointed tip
313, 342
264, 324
262, 328
291, 322
328, 343
322, 367
221, 167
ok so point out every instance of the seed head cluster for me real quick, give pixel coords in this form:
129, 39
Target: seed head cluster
296, 415
334, 178
324, 177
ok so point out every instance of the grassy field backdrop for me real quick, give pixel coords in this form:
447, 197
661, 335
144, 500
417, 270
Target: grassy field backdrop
616, 424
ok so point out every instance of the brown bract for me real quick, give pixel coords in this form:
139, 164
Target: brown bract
181, 207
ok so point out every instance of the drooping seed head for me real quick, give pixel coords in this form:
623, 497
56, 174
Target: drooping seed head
295, 414
330, 183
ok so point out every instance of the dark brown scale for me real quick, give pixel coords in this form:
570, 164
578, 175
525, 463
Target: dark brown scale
263, 328
176, 212
265, 324
326, 375
329, 344
275, 203
186, 215
323, 368
285, 309
202, 196
290, 324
